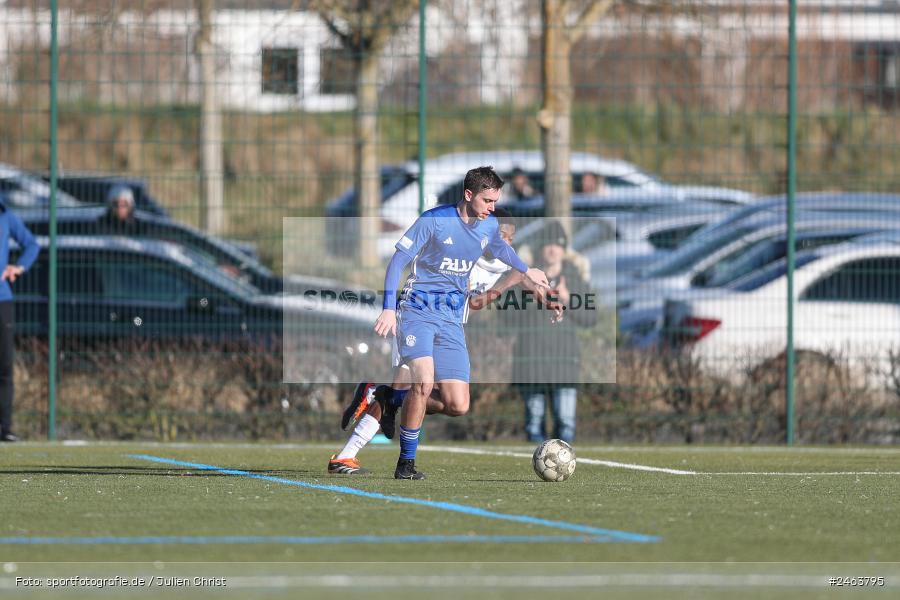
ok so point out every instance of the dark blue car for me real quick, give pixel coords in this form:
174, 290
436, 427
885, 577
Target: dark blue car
116, 288
92, 221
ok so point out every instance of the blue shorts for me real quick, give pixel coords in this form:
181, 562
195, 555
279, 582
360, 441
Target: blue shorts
442, 340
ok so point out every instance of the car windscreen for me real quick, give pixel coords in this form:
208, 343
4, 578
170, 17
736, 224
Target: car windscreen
216, 249
210, 271
745, 260
770, 273
671, 238
394, 180
237, 285
694, 250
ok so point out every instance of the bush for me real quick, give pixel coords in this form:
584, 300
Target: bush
153, 390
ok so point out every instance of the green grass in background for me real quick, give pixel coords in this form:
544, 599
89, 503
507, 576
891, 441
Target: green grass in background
292, 163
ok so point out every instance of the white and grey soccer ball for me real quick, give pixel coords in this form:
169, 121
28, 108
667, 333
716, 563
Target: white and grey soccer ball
554, 460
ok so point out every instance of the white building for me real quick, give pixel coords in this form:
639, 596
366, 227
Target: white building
269, 60
276, 60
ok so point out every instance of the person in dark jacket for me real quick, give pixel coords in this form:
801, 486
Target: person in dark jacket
10, 227
546, 355
119, 218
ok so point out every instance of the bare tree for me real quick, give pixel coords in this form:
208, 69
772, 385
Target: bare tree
364, 27
564, 23
212, 193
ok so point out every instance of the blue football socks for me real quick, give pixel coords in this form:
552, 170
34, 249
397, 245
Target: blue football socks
409, 441
398, 398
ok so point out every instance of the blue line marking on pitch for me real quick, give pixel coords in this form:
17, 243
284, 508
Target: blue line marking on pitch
611, 534
305, 540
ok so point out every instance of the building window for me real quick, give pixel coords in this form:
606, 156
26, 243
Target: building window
878, 72
337, 72
280, 71
891, 64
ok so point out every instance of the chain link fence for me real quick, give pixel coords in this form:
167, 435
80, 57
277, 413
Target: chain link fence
664, 126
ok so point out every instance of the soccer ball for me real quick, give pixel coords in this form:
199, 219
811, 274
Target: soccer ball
554, 460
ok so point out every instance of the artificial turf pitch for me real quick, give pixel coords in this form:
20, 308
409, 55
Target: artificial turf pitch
255, 511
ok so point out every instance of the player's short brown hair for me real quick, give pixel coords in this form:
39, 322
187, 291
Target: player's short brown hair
482, 178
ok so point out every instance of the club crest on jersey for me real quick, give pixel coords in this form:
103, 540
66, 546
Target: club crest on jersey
456, 265
410, 340
484, 243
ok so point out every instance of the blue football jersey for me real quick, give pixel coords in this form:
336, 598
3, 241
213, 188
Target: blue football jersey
444, 249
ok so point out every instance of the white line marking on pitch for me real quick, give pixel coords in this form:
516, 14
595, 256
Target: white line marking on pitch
589, 461
634, 467
514, 448
515, 452
690, 449
809, 474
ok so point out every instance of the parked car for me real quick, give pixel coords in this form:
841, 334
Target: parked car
91, 188
444, 183
113, 288
701, 251
647, 237
607, 244
808, 201
23, 190
91, 221
834, 202
640, 307
846, 304
95, 188
622, 200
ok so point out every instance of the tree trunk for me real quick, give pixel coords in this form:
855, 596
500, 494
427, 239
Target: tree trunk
212, 194
555, 117
366, 175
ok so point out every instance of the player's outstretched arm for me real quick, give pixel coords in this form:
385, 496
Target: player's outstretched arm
508, 256
534, 279
500, 249
542, 293
508, 280
387, 321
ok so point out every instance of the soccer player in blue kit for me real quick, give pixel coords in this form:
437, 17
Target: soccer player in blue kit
443, 245
488, 280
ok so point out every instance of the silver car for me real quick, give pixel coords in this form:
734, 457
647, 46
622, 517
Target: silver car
730, 255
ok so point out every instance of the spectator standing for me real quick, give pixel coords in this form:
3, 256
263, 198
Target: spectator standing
10, 227
547, 362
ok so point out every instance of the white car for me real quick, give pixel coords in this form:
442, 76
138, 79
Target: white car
846, 304
444, 177
728, 258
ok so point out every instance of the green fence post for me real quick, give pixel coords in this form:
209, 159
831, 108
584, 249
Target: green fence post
51, 344
423, 103
423, 118
791, 192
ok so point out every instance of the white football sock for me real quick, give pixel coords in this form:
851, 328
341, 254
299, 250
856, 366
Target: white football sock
363, 433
